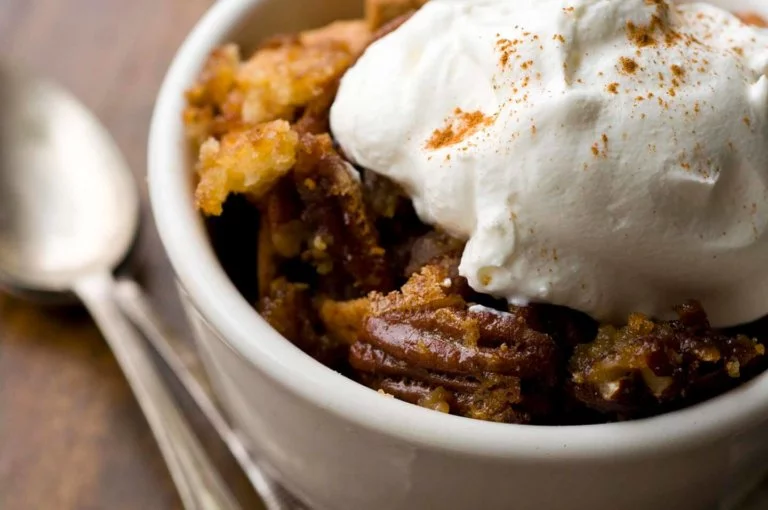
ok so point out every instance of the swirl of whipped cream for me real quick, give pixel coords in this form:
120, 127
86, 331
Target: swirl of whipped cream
606, 155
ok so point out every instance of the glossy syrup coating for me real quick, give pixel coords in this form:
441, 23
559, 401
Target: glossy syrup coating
633, 369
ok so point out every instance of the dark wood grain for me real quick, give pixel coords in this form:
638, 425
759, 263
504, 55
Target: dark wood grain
71, 434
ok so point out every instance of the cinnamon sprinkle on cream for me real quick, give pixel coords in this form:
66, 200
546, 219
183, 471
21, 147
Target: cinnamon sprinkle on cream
677, 71
457, 128
627, 65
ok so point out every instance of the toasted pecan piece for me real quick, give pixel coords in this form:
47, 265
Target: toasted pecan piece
645, 364
430, 325
426, 290
380, 12
425, 342
277, 81
431, 288
367, 358
463, 342
285, 308
344, 234
249, 161
492, 402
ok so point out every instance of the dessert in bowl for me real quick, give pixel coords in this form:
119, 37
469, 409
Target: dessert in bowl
614, 175
477, 235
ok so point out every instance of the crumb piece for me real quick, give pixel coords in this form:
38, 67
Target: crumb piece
249, 161
277, 81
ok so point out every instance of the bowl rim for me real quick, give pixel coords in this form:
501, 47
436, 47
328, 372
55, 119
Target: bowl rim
237, 323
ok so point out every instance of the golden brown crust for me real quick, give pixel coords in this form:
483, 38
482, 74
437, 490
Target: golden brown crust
249, 161
275, 82
283, 76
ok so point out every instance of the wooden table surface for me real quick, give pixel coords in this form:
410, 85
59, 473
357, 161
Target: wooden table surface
71, 434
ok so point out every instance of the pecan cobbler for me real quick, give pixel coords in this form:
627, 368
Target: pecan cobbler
406, 218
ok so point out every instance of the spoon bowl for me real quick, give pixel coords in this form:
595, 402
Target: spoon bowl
68, 203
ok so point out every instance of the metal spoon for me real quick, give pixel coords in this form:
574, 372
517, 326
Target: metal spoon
68, 215
136, 306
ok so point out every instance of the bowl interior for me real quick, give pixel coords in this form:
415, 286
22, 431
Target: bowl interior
170, 168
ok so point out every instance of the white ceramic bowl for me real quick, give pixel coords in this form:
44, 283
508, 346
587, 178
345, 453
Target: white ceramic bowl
341, 446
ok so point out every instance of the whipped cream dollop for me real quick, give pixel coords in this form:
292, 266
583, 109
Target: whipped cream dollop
610, 156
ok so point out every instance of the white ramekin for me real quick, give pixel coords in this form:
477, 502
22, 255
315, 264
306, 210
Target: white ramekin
341, 446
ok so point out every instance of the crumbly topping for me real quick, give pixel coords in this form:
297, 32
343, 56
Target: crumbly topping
277, 82
249, 161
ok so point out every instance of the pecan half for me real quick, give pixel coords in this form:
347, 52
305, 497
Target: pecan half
463, 342
427, 345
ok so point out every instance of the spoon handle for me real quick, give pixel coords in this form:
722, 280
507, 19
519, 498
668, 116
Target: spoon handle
135, 304
200, 486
